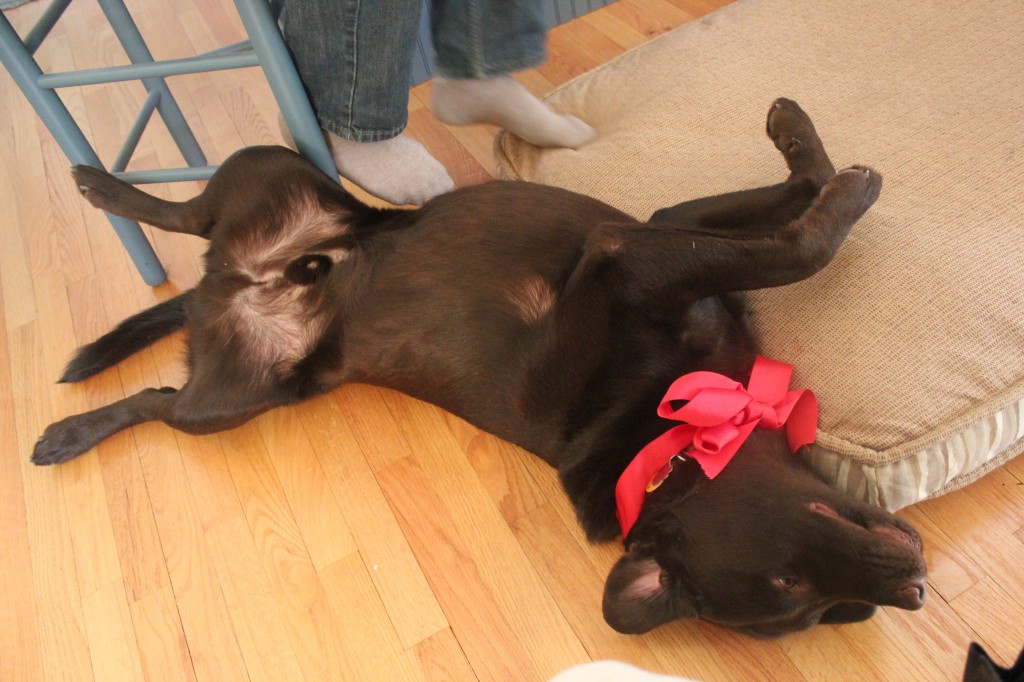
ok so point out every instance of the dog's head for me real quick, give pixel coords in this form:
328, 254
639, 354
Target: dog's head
766, 548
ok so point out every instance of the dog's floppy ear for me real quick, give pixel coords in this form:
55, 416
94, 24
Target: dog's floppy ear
638, 596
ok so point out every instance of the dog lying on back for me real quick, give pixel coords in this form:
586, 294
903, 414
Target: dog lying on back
549, 319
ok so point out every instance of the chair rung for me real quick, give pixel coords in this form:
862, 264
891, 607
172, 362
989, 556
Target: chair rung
144, 177
135, 132
45, 24
170, 67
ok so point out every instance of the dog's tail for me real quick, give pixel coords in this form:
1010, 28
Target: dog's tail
132, 335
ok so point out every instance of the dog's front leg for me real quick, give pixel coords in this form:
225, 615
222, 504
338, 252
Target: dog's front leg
187, 410
73, 436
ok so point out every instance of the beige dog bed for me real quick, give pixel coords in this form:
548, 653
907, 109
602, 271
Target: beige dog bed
913, 338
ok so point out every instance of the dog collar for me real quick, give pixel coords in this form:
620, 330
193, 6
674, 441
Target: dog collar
718, 416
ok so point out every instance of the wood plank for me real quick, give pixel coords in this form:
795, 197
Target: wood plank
205, 622
896, 657
212, 642
825, 644
950, 570
163, 651
525, 604
576, 587
263, 636
499, 467
396, 575
73, 244
58, 604
982, 533
490, 643
371, 645
935, 633
311, 626
112, 642
85, 493
378, 438
997, 618
575, 48
313, 504
650, 17
19, 299
621, 33
18, 616
441, 658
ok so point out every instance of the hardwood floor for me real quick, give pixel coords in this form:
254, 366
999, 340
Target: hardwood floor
363, 535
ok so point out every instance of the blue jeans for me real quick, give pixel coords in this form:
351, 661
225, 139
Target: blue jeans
355, 56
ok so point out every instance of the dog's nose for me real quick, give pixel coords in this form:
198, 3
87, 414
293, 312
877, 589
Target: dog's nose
911, 595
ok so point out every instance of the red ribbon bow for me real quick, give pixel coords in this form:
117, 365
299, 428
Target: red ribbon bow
718, 416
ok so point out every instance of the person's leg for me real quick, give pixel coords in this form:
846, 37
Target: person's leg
354, 57
480, 42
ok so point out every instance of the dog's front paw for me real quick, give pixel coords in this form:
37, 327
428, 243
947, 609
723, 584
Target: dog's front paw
60, 442
794, 135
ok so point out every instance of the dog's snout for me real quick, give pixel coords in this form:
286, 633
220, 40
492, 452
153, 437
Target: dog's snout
904, 536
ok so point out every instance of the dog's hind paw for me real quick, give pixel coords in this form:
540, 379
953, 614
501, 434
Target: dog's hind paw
100, 188
853, 189
794, 135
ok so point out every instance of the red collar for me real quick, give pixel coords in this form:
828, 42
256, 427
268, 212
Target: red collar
718, 416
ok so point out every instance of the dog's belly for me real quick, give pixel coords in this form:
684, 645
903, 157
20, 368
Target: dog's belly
519, 371
466, 357
480, 313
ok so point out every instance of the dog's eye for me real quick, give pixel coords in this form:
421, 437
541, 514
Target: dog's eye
308, 269
787, 583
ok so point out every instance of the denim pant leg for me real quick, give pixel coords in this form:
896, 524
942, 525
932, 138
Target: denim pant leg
486, 38
355, 59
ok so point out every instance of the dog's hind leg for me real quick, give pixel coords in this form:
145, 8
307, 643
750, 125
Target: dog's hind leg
193, 410
661, 265
106, 192
758, 211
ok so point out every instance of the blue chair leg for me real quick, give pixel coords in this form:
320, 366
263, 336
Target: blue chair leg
24, 70
285, 83
127, 33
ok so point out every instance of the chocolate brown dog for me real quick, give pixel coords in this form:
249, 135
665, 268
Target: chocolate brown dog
549, 319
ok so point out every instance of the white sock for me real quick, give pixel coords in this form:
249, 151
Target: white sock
504, 102
399, 170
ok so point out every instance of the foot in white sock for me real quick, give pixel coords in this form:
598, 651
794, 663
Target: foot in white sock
399, 170
504, 102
